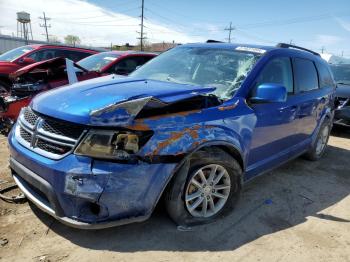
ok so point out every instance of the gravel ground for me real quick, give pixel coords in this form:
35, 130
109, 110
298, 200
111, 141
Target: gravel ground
298, 212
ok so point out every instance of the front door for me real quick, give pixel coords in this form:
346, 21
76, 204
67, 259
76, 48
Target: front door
274, 133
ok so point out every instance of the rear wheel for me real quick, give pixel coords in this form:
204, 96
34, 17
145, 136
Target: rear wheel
320, 145
205, 188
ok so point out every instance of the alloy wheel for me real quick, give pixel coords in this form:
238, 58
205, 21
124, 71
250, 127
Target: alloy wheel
207, 191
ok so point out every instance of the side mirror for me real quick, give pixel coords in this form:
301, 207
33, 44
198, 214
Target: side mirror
269, 93
26, 61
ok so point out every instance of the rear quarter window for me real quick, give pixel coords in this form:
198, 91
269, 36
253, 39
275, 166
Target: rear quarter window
305, 74
325, 76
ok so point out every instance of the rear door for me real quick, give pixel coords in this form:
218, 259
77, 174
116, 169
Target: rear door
274, 133
311, 98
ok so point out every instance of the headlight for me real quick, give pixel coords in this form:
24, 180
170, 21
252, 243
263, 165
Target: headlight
117, 145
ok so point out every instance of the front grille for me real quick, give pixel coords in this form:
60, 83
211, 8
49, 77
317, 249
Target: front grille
29, 116
52, 147
62, 129
46, 136
27, 136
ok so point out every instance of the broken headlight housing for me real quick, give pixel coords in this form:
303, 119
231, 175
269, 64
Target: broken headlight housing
113, 145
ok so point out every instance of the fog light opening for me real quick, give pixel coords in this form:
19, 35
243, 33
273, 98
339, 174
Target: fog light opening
95, 209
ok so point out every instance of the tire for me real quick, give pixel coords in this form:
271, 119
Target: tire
4, 87
319, 147
181, 188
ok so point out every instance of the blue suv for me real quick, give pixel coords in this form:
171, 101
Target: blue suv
192, 125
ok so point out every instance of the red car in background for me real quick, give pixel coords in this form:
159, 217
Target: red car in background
22, 56
45, 75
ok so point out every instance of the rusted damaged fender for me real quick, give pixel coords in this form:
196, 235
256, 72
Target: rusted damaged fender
181, 133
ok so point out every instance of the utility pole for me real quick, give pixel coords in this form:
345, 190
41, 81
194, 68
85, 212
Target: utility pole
142, 26
230, 29
291, 42
322, 49
342, 53
45, 25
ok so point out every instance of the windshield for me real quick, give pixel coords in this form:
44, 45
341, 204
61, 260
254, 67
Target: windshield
15, 53
98, 61
341, 73
224, 69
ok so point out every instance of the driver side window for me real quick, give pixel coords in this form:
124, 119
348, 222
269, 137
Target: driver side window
42, 55
277, 71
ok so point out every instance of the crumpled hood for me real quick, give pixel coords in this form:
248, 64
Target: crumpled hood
111, 101
42, 66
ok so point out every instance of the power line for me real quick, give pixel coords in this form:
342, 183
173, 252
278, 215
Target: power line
45, 25
229, 29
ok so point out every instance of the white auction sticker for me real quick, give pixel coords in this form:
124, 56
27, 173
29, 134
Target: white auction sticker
251, 49
110, 58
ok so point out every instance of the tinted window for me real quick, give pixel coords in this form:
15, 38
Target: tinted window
277, 71
128, 65
75, 55
43, 54
324, 75
305, 75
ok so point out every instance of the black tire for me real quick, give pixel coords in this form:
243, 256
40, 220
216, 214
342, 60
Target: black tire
313, 154
4, 87
175, 194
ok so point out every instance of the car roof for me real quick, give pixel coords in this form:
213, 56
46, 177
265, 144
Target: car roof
37, 46
130, 52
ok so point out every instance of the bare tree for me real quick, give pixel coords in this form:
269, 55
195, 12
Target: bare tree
72, 40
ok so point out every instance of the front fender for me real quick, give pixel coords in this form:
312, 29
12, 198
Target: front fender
189, 139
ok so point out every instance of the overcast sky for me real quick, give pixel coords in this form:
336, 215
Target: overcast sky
312, 24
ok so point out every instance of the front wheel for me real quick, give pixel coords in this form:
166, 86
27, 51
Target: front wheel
205, 188
320, 145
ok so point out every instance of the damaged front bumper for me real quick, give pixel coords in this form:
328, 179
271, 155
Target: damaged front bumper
89, 194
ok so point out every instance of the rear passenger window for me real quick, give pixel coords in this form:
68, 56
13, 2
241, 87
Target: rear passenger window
277, 71
324, 75
75, 55
128, 65
305, 75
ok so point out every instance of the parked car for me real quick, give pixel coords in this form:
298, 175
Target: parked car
192, 125
341, 74
19, 57
45, 75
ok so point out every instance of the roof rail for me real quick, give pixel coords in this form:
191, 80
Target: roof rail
284, 45
213, 41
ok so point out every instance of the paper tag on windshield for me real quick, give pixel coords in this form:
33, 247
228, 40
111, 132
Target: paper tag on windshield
251, 49
26, 50
110, 58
